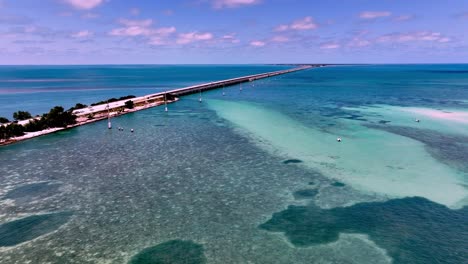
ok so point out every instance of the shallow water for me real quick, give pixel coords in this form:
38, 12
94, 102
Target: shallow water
222, 175
368, 159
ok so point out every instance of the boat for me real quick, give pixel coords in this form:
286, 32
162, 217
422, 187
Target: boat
109, 124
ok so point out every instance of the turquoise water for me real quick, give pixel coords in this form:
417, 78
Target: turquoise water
255, 176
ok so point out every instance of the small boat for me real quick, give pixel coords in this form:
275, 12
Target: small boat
417, 120
338, 139
109, 124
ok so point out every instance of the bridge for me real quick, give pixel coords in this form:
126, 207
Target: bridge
152, 100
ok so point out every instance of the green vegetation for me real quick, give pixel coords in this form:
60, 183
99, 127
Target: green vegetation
21, 115
12, 130
77, 106
56, 117
4, 120
111, 100
129, 104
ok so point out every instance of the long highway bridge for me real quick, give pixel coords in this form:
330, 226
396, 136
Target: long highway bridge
147, 99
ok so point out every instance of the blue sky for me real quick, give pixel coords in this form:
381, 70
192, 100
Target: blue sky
233, 31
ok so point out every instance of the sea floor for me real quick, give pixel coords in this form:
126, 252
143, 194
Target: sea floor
248, 177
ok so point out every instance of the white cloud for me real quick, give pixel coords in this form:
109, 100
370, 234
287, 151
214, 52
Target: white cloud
160, 36
374, 14
306, 23
414, 36
230, 38
82, 34
134, 28
280, 39
330, 45
131, 31
404, 18
84, 4
282, 28
358, 42
164, 31
138, 23
186, 38
257, 43
233, 3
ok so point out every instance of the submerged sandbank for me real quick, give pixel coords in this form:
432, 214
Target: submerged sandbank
453, 121
368, 159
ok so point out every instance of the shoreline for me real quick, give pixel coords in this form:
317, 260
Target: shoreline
30, 135
114, 109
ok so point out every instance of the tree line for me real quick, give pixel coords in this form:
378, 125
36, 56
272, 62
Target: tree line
56, 117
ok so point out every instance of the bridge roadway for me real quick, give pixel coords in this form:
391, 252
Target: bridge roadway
187, 90
229, 82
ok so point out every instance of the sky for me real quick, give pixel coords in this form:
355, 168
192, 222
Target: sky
233, 31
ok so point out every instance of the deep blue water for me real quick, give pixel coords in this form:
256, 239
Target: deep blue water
38, 88
214, 180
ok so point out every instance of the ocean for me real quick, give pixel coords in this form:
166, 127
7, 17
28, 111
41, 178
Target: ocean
254, 176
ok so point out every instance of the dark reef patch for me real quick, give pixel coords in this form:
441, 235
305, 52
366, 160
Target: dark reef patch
338, 184
305, 194
31, 227
33, 191
173, 252
355, 117
412, 230
292, 161
384, 122
449, 149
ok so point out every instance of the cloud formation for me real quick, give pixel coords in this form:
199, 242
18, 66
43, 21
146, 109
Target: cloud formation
84, 4
374, 14
257, 43
279, 38
307, 23
186, 38
143, 28
330, 45
404, 18
230, 38
82, 34
136, 23
359, 42
218, 4
414, 36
